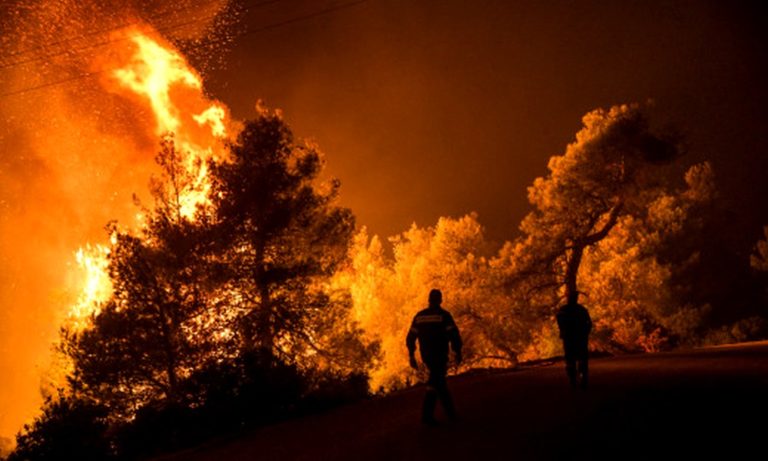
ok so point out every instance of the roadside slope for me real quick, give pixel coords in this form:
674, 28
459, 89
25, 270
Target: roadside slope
703, 402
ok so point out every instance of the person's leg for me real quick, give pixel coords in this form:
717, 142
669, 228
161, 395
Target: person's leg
570, 366
430, 399
441, 385
584, 368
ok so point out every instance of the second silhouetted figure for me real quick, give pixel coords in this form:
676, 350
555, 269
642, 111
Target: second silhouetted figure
435, 329
575, 324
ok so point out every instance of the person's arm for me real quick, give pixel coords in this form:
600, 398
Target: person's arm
454, 336
410, 343
560, 324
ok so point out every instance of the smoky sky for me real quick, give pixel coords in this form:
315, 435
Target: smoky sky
439, 108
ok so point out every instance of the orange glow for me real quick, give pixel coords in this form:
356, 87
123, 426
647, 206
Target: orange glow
152, 72
92, 260
215, 116
161, 77
74, 156
95, 150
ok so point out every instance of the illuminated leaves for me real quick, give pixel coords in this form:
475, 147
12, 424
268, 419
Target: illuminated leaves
631, 291
600, 219
451, 256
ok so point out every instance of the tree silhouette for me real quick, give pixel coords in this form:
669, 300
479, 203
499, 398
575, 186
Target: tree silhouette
149, 335
67, 427
283, 238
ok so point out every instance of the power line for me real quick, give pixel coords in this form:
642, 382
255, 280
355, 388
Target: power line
114, 29
91, 74
102, 43
309, 16
101, 31
57, 82
331, 9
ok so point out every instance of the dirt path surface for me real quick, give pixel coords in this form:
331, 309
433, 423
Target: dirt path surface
700, 404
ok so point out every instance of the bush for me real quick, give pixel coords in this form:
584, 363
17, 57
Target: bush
69, 428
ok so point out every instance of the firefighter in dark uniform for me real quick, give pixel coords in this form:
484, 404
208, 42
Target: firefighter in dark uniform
435, 329
575, 324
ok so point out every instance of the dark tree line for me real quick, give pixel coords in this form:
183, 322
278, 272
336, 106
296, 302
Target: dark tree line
219, 320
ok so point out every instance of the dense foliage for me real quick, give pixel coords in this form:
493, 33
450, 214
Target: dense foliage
216, 321
617, 218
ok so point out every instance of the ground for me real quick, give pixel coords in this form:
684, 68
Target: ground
704, 403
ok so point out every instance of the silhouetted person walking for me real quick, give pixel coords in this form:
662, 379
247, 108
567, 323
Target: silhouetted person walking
575, 324
434, 328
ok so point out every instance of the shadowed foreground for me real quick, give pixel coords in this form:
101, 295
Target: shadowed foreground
705, 402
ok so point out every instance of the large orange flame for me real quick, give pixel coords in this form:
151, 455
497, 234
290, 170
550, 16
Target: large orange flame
152, 72
173, 89
92, 261
159, 78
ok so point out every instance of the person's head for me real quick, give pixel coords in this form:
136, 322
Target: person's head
573, 297
435, 297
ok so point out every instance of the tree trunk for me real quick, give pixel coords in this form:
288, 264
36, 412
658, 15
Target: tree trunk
169, 339
265, 322
579, 245
264, 317
572, 269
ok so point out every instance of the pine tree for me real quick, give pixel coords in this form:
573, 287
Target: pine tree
283, 237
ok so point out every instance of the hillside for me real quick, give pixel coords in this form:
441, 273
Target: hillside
704, 402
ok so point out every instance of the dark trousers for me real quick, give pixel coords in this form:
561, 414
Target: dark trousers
437, 388
577, 363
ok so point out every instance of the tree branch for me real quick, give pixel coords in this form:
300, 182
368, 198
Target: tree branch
602, 233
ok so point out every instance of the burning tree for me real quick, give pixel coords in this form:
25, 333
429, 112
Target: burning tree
635, 277
246, 274
156, 327
387, 293
226, 314
281, 239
